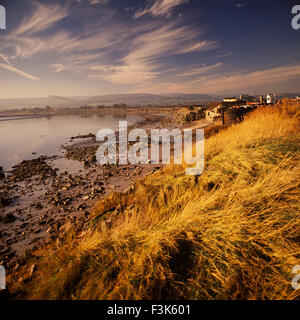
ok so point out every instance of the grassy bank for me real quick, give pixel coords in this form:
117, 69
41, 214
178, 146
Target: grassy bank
233, 234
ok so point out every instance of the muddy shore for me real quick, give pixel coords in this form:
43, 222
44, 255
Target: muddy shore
40, 198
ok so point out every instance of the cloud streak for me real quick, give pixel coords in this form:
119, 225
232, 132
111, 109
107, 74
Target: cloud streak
43, 18
160, 8
20, 72
198, 71
241, 5
143, 62
221, 83
254, 80
93, 2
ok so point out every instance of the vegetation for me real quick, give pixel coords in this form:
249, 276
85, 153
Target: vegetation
233, 233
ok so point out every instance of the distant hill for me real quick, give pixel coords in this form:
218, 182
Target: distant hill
140, 99
53, 101
287, 95
129, 99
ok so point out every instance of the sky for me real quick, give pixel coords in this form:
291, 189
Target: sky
99, 47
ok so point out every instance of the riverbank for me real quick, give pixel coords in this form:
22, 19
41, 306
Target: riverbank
43, 197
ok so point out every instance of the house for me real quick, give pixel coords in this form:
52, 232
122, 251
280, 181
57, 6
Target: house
230, 100
271, 99
247, 98
297, 99
215, 113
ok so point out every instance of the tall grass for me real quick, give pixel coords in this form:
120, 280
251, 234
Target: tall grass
231, 234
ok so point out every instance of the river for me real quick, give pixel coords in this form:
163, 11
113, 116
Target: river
28, 138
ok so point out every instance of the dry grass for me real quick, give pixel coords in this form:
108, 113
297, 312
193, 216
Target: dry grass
233, 234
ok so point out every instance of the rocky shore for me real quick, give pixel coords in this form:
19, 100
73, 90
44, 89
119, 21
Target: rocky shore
42, 198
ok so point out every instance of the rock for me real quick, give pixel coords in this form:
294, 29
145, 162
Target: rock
29, 168
4, 201
90, 135
5, 251
39, 206
10, 255
185, 115
24, 225
8, 218
42, 222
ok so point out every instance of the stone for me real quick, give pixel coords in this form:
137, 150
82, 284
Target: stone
4, 201
8, 218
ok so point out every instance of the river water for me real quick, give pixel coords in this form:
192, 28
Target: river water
28, 138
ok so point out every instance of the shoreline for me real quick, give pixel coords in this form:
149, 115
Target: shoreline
43, 197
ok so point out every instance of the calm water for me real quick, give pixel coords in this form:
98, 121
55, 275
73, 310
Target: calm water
19, 138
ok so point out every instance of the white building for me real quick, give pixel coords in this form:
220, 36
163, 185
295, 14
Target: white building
215, 113
230, 99
271, 99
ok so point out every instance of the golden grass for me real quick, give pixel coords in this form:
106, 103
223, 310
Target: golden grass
233, 234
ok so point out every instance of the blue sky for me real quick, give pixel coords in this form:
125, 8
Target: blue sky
94, 47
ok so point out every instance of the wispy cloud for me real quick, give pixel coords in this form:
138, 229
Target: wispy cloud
256, 79
5, 59
144, 60
93, 2
26, 40
160, 8
201, 70
11, 68
225, 54
59, 67
112, 50
198, 46
220, 83
241, 5
44, 17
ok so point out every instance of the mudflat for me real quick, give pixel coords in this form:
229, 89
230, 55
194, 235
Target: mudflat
42, 197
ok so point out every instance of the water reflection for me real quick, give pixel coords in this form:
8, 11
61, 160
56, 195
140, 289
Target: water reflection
20, 138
